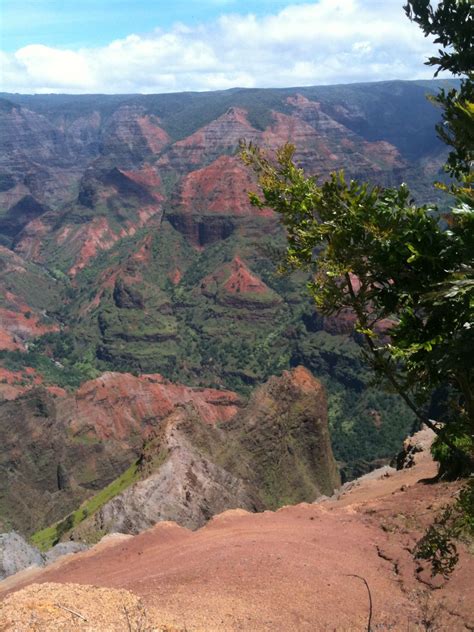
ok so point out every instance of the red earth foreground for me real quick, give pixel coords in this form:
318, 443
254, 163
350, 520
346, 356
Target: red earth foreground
300, 568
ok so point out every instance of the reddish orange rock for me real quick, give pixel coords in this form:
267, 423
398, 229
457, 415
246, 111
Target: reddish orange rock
221, 187
17, 327
117, 404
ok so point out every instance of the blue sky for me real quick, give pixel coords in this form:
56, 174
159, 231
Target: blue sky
125, 46
90, 23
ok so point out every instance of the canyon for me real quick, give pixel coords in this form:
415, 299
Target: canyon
155, 364
128, 242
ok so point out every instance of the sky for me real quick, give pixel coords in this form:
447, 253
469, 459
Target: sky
154, 46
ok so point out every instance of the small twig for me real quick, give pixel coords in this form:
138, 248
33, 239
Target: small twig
77, 614
127, 618
369, 622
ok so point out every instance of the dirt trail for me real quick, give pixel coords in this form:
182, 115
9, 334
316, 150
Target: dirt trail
299, 568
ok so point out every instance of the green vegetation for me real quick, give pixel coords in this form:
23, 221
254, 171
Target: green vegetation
210, 339
216, 339
373, 252
70, 376
48, 537
455, 522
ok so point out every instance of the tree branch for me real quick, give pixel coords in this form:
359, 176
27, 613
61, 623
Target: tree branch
391, 377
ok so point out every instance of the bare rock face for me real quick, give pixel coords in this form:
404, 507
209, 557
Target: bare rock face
58, 449
414, 447
235, 285
220, 136
276, 451
187, 488
131, 134
212, 201
16, 554
37, 156
63, 548
195, 452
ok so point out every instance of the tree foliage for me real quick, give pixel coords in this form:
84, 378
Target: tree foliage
452, 24
392, 263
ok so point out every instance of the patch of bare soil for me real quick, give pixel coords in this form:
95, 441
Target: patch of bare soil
305, 567
63, 607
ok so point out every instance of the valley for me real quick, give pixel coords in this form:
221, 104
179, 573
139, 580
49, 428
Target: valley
155, 363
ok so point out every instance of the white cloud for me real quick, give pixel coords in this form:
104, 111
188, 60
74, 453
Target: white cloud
330, 41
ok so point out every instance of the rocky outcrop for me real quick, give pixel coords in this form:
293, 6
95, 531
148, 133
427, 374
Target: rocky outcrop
16, 554
220, 136
130, 135
187, 488
61, 549
37, 157
220, 188
120, 405
194, 453
275, 451
58, 449
111, 204
322, 143
235, 285
414, 449
283, 435
213, 201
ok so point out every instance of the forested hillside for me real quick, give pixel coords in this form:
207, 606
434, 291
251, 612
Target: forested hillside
129, 244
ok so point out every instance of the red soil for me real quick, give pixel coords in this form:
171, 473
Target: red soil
221, 135
29, 245
148, 177
98, 235
175, 276
155, 136
301, 102
285, 129
241, 280
236, 279
92, 237
385, 153
234, 117
300, 568
143, 254
14, 383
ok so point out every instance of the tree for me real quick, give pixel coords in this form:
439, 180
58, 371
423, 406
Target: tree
374, 251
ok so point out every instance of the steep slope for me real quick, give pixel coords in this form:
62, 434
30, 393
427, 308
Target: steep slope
111, 205
37, 159
59, 449
28, 297
300, 568
273, 451
281, 441
130, 216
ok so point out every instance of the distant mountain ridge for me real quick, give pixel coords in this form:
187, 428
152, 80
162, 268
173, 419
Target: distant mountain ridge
129, 244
